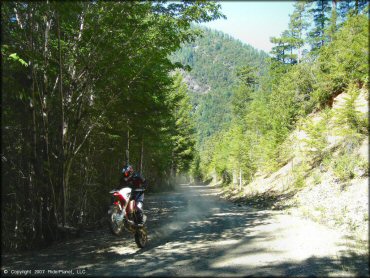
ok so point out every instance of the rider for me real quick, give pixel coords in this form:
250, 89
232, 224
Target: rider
137, 184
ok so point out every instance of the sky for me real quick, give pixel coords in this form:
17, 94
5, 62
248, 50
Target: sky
254, 22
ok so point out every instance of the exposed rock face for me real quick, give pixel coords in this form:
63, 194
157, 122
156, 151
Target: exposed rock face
194, 85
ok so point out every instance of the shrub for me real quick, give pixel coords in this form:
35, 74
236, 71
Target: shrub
346, 166
349, 116
317, 132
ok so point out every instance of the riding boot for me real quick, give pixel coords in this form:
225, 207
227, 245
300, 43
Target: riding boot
140, 217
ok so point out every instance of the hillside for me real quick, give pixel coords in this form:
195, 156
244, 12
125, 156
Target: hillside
92, 87
214, 58
332, 190
298, 140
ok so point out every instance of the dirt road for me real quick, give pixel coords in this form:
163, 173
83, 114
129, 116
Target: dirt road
193, 232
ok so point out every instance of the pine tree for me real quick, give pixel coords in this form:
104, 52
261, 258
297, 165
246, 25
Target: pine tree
286, 44
320, 14
183, 134
298, 24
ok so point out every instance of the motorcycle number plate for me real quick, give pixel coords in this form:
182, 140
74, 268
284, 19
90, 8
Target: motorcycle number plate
125, 192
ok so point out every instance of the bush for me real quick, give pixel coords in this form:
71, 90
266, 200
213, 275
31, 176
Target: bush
348, 165
349, 116
317, 132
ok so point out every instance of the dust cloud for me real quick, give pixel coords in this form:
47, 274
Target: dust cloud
189, 205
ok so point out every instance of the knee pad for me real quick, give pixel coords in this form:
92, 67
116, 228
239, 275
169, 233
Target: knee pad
139, 206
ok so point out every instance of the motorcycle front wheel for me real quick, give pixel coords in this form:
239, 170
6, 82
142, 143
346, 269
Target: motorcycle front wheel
114, 225
141, 237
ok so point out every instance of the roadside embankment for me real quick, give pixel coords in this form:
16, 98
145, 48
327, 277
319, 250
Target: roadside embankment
325, 176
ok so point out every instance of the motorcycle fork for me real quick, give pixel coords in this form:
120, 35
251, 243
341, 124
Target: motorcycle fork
130, 208
121, 205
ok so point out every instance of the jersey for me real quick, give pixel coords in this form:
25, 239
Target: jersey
136, 182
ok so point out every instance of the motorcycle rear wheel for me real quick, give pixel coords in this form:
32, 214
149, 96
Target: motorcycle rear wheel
115, 227
141, 237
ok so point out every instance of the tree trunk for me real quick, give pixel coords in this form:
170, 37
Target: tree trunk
240, 179
63, 126
128, 146
235, 178
66, 174
300, 37
333, 25
322, 21
214, 175
141, 156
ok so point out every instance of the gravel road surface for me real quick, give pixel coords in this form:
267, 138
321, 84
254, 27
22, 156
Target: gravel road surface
193, 232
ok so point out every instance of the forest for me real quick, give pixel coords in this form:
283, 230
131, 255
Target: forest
213, 59
87, 87
323, 53
90, 86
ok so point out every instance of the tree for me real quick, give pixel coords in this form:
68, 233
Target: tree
321, 20
78, 78
183, 129
298, 24
248, 82
213, 77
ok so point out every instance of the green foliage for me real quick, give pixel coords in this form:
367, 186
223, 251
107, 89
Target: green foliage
283, 52
342, 61
247, 75
97, 83
349, 116
320, 12
195, 170
317, 132
298, 24
15, 57
299, 174
214, 59
184, 132
268, 105
317, 177
299, 178
347, 164
243, 94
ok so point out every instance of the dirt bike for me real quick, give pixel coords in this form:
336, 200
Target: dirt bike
128, 220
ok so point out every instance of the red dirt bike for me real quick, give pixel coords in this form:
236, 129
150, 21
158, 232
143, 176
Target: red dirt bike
118, 221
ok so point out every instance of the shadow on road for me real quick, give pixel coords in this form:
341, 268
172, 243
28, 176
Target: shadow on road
352, 263
191, 233
183, 242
